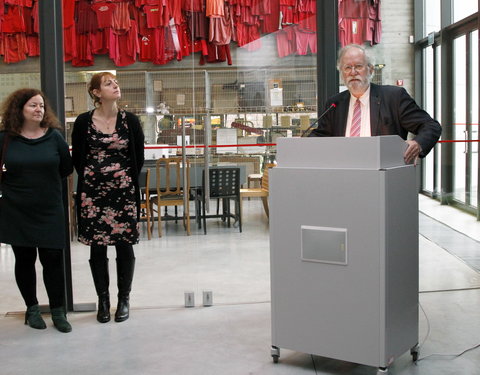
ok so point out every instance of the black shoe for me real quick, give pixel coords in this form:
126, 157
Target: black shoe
101, 278
59, 318
33, 318
125, 270
103, 314
123, 309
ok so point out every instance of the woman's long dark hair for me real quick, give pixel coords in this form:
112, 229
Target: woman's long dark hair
12, 111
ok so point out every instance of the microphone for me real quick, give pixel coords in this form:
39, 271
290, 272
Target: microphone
333, 105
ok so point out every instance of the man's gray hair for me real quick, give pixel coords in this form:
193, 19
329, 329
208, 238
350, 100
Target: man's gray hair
341, 53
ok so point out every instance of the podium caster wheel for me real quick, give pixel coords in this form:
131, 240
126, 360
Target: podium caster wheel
382, 371
275, 352
415, 351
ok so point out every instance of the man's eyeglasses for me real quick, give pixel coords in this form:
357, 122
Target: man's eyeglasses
349, 68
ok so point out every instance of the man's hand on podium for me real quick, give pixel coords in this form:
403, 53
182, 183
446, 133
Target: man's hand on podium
412, 152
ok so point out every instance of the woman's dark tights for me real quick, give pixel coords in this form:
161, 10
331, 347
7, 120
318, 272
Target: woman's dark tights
98, 253
53, 274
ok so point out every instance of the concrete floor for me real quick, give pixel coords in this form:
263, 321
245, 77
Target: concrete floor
233, 336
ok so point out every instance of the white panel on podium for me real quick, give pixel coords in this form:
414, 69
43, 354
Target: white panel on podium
344, 249
339, 152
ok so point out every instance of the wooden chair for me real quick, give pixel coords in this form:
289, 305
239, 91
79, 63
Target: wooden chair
145, 204
254, 177
261, 192
170, 190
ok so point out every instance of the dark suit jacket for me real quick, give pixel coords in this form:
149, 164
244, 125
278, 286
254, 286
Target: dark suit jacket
392, 111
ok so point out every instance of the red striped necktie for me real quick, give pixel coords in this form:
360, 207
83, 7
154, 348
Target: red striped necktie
356, 120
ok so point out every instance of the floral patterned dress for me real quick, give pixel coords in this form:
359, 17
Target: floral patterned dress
108, 209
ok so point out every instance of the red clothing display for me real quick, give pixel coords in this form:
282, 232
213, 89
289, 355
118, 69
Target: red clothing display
163, 46
286, 42
28, 20
15, 48
121, 18
100, 41
216, 54
147, 51
355, 30
271, 22
184, 42
169, 29
359, 21
141, 19
124, 48
246, 34
155, 16
68, 13
104, 12
13, 21
139, 3
197, 24
304, 40
69, 43
308, 23
15, 2
175, 10
36, 22
86, 19
221, 28
193, 5
353, 8
214, 8
33, 44
83, 56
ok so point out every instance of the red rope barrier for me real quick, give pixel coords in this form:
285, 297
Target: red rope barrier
459, 140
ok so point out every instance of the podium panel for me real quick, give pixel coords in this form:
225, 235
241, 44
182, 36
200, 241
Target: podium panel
344, 258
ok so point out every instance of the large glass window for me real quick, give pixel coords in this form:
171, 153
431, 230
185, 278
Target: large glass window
464, 8
474, 133
438, 116
429, 90
432, 16
455, 175
459, 118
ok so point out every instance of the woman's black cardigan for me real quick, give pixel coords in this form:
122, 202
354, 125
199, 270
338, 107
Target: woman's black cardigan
80, 150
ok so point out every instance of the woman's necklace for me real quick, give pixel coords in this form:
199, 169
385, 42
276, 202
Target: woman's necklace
33, 134
104, 124
110, 123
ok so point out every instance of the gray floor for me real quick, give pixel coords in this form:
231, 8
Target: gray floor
233, 335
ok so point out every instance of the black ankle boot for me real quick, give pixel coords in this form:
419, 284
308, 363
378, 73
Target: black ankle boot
101, 279
125, 269
59, 318
103, 314
123, 308
33, 318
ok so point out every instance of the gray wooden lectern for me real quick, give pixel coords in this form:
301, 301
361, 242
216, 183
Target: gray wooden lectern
344, 249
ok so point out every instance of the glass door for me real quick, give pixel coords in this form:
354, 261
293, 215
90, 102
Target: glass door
465, 133
460, 134
474, 127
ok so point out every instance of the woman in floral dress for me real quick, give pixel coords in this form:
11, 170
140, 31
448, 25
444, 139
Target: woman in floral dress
108, 155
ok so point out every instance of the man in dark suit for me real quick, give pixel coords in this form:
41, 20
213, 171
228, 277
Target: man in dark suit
368, 110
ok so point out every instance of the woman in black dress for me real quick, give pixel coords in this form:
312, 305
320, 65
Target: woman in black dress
108, 154
32, 213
